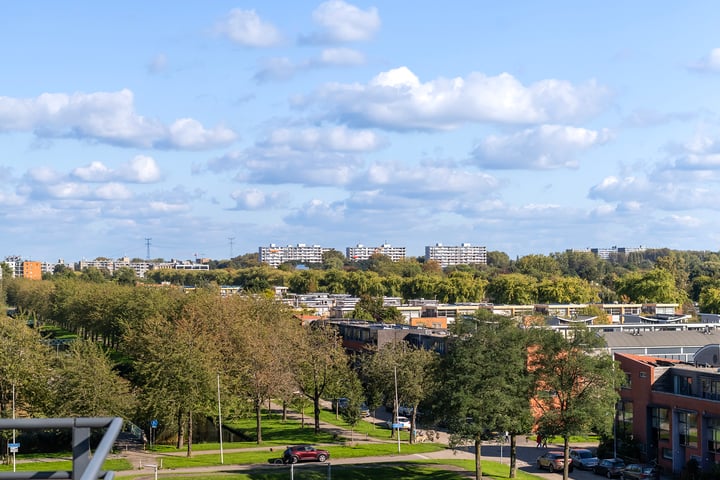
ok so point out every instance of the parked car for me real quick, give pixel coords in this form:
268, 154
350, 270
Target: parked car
553, 461
364, 410
340, 403
404, 423
304, 453
583, 458
610, 467
638, 471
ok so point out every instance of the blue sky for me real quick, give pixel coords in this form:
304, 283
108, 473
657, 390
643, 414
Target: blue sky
527, 127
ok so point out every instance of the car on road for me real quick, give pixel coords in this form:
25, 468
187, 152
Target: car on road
364, 410
553, 461
404, 423
610, 467
340, 403
638, 471
583, 458
304, 453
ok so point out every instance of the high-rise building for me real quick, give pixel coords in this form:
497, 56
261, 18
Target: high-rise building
361, 252
464, 254
274, 255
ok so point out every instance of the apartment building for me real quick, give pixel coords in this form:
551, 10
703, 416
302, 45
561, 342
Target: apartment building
672, 408
362, 252
274, 255
606, 253
463, 254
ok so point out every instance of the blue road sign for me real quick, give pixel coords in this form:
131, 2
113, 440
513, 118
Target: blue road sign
153, 423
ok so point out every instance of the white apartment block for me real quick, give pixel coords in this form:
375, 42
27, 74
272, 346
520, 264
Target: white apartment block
274, 255
605, 253
361, 252
464, 254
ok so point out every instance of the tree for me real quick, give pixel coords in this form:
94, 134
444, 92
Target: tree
25, 369
484, 384
333, 260
372, 309
575, 384
538, 266
513, 289
710, 300
410, 365
175, 362
320, 361
85, 384
566, 290
654, 286
125, 276
499, 260
258, 334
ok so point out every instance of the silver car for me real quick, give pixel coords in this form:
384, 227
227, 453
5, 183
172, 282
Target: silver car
583, 458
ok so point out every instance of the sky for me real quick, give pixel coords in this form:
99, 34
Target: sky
180, 130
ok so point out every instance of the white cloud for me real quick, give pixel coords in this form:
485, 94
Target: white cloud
341, 56
338, 139
187, 133
397, 99
113, 191
640, 194
709, 63
107, 117
254, 199
283, 69
95, 172
141, 169
424, 182
344, 22
245, 27
542, 147
316, 211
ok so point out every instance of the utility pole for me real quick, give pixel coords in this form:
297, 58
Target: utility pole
147, 247
231, 245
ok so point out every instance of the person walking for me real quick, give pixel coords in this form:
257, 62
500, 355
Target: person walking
539, 440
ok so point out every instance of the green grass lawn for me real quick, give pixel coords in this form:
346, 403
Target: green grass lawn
62, 465
263, 456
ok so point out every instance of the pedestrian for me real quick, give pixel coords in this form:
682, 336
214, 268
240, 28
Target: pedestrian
544, 441
539, 440
507, 437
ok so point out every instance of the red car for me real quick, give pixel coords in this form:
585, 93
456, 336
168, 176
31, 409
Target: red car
554, 461
304, 453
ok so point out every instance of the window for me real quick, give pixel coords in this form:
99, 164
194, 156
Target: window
713, 433
683, 385
661, 423
687, 429
625, 418
628, 380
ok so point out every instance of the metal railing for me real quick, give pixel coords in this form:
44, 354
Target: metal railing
83, 466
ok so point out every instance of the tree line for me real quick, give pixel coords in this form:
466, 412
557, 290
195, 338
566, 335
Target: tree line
651, 276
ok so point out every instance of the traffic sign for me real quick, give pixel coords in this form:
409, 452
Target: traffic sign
397, 425
14, 447
153, 423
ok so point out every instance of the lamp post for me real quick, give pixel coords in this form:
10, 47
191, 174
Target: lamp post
220, 420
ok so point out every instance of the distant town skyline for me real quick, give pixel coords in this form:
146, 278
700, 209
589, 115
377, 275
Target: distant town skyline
209, 130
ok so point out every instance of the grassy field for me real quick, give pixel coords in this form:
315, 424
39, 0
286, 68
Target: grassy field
263, 456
